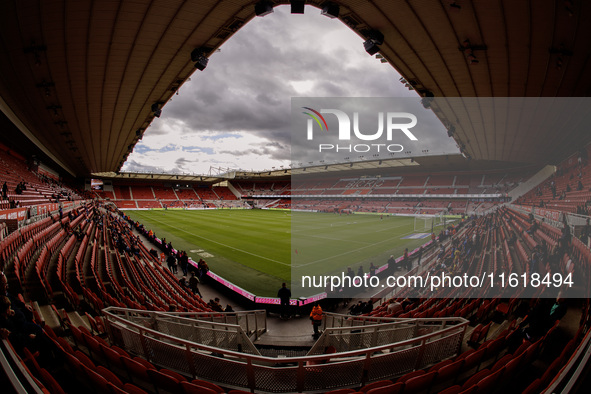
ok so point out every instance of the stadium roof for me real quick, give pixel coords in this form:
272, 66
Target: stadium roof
79, 79
388, 167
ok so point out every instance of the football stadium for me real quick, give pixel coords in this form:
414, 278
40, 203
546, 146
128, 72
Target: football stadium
271, 240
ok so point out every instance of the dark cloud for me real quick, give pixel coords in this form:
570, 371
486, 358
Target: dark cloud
236, 153
182, 161
248, 85
134, 166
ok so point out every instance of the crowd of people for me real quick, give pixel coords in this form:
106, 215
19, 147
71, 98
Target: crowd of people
18, 326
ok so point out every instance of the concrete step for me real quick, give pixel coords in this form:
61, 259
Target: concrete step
78, 320
51, 319
37, 310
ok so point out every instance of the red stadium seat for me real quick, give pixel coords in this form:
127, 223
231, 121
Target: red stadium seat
65, 345
212, 386
534, 387
132, 389
135, 369
100, 383
110, 376
473, 360
83, 358
374, 385
173, 374
164, 381
52, 385
449, 372
452, 390
388, 389
475, 378
190, 388
500, 364
113, 358
440, 364
419, 383
487, 384
410, 375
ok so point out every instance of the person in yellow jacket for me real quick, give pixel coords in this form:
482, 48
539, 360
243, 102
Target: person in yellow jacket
316, 317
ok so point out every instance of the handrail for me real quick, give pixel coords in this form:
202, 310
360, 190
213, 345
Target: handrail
574, 370
376, 334
22, 382
313, 373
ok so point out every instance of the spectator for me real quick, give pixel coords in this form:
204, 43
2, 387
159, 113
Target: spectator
357, 308
215, 305
194, 284
284, 295
542, 317
316, 318
203, 269
184, 262
171, 261
394, 307
360, 271
372, 269
406, 261
23, 333
368, 307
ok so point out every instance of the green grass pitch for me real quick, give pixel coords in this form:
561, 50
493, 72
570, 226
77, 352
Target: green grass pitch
259, 249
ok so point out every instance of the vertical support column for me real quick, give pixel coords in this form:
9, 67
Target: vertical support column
366, 367
301, 377
419, 362
250, 375
190, 362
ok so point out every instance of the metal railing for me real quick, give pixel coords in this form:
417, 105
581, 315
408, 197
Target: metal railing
230, 331
346, 333
133, 330
253, 323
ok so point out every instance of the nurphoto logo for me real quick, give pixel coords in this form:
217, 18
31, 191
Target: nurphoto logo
391, 119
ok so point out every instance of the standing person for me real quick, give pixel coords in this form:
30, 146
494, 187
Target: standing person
171, 261
284, 294
184, 262
372, 269
316, 317
5, 191
405, 260
420, 255
203, 268
193, 284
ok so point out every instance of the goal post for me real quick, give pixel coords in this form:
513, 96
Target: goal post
427, 223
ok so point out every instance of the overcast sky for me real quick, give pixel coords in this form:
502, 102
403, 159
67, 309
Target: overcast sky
236, 113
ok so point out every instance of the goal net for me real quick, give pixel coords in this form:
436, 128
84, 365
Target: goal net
427, 223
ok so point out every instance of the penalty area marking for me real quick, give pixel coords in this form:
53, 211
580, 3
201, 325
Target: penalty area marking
202, 253
222, 244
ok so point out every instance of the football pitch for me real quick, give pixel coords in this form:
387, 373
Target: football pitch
259, 249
